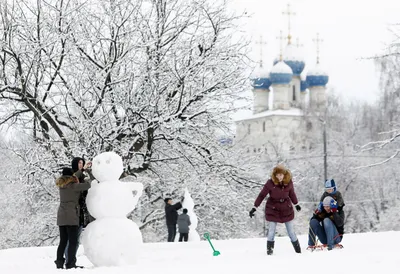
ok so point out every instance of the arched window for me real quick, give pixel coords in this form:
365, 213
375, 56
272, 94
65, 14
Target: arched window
294, 93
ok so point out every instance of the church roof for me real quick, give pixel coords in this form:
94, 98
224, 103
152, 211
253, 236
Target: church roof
277, 112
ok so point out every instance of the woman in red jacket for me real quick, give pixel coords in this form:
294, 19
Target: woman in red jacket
279, 206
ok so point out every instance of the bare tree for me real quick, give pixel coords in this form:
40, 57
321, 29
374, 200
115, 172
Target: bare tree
154, 81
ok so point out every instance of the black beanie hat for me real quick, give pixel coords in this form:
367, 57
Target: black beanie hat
67, 171
166, 200
75, 161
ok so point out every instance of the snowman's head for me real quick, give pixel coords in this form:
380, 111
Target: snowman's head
107, 166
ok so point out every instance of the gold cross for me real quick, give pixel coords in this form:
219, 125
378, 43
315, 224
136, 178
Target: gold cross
288, 12
317, 41
261, 43
281, 38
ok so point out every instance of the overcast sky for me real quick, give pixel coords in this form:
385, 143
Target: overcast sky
351, 31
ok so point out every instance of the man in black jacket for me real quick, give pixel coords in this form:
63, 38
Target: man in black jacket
171, 216
327, 224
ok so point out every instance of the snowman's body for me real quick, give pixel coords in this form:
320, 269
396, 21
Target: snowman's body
112, 239
188, 203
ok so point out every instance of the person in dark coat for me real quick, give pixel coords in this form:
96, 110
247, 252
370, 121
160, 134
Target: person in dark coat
83, 172
327, 223
183, 225
171, 216
68, 216
279, 206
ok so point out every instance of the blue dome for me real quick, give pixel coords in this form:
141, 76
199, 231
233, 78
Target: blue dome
303, 85
260, 83
294, 59
296, 66
317, 80
281, 78
317, 77
281, 74
260, 78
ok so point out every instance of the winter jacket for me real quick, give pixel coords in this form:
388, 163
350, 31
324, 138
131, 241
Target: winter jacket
183, 223
68, 210
336, 217
337, 196
279, 205
84, 217
171, 214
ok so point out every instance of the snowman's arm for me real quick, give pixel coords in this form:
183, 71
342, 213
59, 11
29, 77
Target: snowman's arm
81, 186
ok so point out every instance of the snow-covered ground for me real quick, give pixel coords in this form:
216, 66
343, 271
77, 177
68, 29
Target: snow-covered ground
364, 253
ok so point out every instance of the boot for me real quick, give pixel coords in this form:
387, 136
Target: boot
296, 246
73, 266
270, 247
59, 263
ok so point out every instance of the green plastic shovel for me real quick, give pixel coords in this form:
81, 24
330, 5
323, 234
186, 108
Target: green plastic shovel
207, 236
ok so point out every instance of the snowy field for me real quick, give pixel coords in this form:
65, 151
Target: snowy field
367, 253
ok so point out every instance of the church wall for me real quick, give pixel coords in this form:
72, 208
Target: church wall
261, 100
281, 97
286, 133
317, 97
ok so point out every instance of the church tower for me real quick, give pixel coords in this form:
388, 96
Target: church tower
260, 83
295, 60
279, 123
317, 79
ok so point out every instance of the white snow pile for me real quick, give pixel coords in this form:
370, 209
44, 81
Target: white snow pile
366, 253
188, 203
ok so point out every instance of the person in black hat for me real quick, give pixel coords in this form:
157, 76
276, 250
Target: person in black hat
68, 216
171, 216
81, 170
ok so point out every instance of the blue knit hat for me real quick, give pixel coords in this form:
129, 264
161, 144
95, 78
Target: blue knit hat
330, 184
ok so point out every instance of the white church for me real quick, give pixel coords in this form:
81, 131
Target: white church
288, 102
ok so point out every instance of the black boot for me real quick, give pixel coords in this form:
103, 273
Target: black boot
59, 263
296, 246
270, 247
73, 266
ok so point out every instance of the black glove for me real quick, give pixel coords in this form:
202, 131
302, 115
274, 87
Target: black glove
298, 208
251, 213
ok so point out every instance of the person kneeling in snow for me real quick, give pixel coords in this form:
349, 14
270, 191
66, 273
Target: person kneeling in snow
327, 224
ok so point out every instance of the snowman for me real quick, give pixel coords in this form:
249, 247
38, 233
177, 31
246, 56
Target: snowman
188, 203
112, 239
